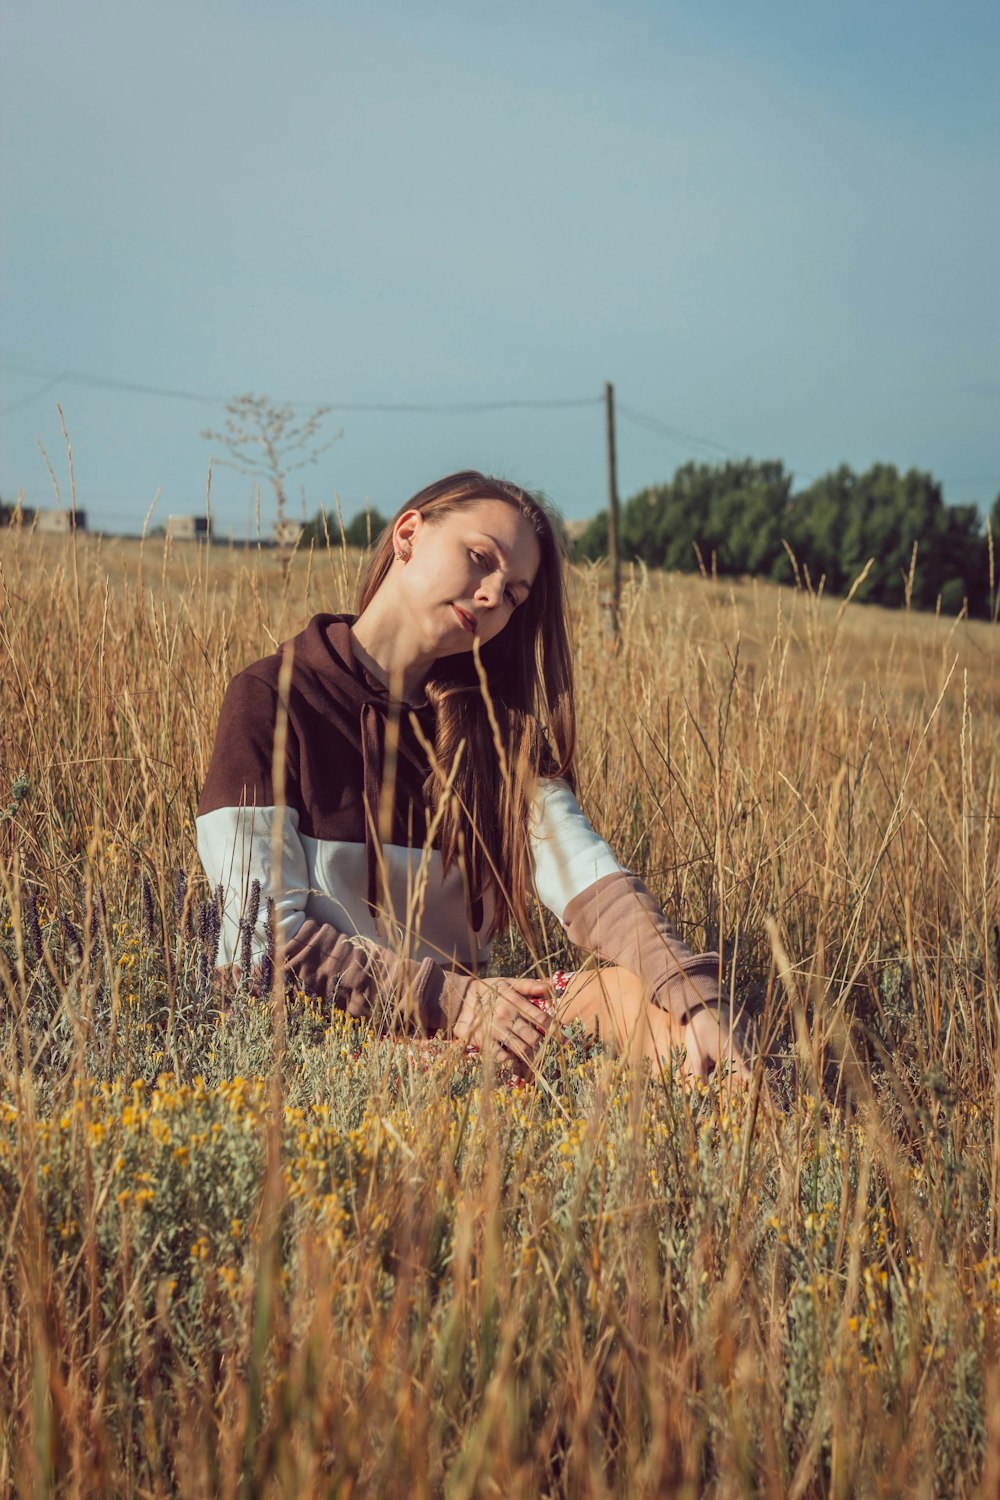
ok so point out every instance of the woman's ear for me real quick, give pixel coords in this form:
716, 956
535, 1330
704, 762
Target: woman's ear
404, 532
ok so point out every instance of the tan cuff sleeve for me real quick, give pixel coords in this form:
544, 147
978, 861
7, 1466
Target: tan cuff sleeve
617, 919
366, 979
441, 996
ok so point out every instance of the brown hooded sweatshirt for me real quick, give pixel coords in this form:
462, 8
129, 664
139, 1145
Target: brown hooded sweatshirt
364, 912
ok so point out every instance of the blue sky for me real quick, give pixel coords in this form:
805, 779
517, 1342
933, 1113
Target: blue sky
774, 227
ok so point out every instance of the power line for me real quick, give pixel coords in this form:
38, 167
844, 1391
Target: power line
642, 419
653, 424
447, 408
100, 382
663, 429
451, 408
34, 396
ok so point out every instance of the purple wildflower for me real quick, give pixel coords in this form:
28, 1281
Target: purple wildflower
34, 930
148, 910
71, 935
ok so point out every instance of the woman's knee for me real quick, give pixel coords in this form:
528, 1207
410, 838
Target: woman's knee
611, 1000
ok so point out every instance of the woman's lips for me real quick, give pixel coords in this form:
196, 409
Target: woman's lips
465, 620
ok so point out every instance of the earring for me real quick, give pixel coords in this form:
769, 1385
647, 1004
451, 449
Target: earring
403, 557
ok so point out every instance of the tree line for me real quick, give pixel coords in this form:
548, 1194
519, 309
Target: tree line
742, 518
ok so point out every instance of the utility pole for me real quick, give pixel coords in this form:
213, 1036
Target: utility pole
613, 555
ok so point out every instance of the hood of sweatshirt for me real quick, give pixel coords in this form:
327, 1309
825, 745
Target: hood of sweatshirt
356, 769
329, 679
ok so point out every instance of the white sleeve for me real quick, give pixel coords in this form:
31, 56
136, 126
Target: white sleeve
607, 910
236, 847
567, 855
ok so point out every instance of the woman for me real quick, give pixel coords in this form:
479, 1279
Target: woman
400, 784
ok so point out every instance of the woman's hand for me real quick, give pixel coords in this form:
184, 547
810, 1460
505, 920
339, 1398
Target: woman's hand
513, 1015
708, 1041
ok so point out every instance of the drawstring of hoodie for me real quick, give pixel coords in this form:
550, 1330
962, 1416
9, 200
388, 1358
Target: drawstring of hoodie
371, 763
373, 766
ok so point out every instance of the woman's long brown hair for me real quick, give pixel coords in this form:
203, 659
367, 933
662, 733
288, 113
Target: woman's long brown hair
528, 691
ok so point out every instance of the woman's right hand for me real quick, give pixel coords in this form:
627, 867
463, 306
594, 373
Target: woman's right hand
709, 1042
513, 1015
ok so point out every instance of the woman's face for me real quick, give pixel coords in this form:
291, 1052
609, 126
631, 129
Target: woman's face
465, 574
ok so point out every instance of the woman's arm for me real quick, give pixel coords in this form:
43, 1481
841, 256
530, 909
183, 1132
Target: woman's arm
618, 919
244, 836
608, 911
237, 847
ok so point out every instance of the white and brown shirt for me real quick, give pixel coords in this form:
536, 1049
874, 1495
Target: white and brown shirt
365, 914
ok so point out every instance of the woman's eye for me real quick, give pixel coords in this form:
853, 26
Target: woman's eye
511, 598
478, 558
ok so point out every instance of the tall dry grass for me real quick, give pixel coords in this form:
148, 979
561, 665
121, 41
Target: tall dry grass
339, 1267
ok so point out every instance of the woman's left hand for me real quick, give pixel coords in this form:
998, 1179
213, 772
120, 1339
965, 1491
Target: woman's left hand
515, 1015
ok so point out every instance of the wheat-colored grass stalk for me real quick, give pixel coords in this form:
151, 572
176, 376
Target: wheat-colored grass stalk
370, 1270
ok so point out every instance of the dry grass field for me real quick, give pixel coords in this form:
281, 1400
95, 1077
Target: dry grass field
268, 1253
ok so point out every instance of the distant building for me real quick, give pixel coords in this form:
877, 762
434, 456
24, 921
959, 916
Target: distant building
187, 528
60, 521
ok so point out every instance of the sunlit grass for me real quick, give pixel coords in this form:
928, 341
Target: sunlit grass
301, 1259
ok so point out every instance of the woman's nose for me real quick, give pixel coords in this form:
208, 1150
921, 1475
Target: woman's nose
489, 589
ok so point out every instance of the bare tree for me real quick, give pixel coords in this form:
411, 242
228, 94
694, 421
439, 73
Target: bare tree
266, 441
